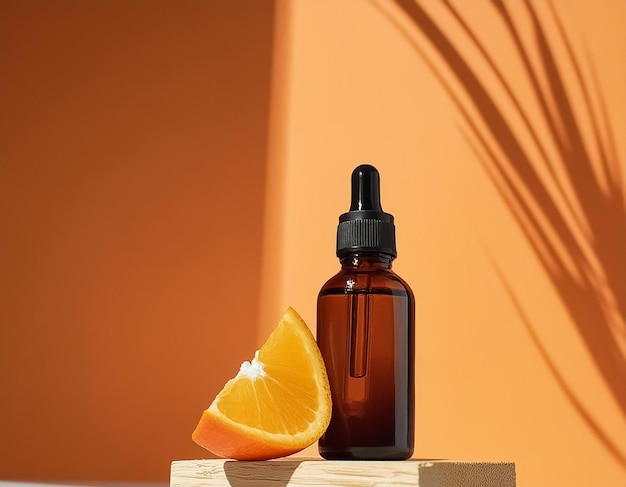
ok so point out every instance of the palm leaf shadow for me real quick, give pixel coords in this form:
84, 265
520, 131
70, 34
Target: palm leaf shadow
580, 409
590, 275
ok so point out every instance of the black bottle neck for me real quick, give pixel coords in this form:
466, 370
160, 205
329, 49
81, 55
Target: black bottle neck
366, 262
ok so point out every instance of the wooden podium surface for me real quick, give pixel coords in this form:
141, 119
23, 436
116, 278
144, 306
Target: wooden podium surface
315, 472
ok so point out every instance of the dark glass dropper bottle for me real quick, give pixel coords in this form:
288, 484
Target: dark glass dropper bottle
365, 331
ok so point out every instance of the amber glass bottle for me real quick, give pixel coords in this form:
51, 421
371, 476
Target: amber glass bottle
365, 331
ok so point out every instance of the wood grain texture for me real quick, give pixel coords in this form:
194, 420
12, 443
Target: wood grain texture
301, 473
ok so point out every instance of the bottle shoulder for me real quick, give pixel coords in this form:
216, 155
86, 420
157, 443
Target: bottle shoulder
354, 281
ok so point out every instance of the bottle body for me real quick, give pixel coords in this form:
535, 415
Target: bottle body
365, 331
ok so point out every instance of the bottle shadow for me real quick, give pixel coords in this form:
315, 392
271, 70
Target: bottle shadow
276, 473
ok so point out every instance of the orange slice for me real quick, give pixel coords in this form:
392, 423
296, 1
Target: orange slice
278, 404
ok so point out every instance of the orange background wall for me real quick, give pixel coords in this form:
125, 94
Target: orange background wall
494, 380
136, 136
133, 149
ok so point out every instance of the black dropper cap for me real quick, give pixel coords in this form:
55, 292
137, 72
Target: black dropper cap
366, 227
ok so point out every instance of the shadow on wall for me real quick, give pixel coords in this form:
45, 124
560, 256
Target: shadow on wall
133, 141
569, 201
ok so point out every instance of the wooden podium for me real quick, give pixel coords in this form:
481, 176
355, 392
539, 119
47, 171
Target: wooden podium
303, 472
